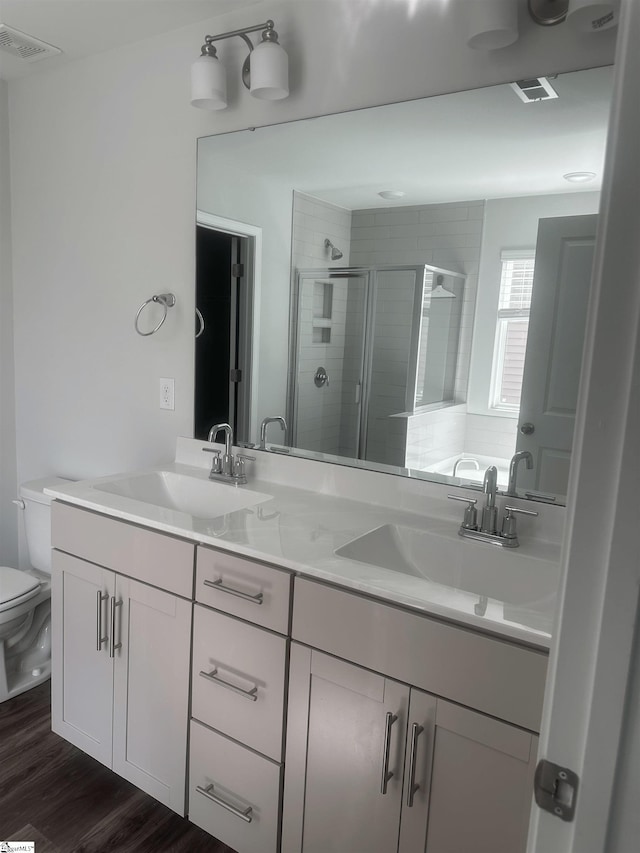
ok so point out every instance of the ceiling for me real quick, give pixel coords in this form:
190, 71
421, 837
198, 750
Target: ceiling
480, 144
84, 27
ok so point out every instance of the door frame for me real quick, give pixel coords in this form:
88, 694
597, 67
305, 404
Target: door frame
248, 403
583, 725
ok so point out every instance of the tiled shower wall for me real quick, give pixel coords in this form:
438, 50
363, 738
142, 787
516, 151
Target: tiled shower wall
320, 420
445, 235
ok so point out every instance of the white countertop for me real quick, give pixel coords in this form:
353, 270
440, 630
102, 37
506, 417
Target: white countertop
300, 529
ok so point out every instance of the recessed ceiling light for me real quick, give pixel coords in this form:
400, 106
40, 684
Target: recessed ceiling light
579, 177
391, 194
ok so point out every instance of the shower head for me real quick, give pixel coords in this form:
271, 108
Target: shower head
440, 292
336, 254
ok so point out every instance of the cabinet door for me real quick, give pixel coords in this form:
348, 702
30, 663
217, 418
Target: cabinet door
345, 753
481, 784
81, 671
151, 690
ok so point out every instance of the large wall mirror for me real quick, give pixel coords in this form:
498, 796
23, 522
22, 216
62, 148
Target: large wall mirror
406, 285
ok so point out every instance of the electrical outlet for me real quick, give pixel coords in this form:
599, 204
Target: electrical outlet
167, 390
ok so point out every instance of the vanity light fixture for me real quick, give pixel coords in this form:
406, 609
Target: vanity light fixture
265, 71
491, 24
587, 16
579, 177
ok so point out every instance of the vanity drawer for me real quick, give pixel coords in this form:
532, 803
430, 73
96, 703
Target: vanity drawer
241, 780
244, 588
494, 676
238, 680
147, 556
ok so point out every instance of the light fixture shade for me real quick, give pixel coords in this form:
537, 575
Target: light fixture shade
208, 83
592, 16
491, 24
269, 71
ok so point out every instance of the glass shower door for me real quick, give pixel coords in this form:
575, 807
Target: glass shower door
329, 360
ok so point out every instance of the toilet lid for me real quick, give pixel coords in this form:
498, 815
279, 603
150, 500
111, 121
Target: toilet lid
16, 587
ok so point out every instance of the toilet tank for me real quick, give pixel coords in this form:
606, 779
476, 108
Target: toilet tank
37, 520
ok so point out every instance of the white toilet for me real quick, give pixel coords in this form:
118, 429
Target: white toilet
25, 599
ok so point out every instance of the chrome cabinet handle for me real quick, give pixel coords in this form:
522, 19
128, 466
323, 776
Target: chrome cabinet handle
242, 814
386, 773
100, 597
416, 731
113, 646
254, 599
246, 694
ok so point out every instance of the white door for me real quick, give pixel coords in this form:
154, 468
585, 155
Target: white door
592, 659
151, 690
81, 669
555, 342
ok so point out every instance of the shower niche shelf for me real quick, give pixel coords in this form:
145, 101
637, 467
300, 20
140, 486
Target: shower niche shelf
322, 312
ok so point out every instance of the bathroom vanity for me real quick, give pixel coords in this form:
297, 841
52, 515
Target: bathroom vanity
310, 701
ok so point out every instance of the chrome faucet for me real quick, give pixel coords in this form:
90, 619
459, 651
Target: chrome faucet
226, 468
488, 531
520, 456
489, 523
263, 429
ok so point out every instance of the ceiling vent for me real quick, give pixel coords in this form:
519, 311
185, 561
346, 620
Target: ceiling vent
24, 46
534, 89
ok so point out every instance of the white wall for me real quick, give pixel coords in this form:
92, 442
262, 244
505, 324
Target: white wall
509, 223
103, 198
8, 537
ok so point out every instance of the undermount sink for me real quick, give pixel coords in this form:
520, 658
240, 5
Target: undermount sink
500, 574
201, 498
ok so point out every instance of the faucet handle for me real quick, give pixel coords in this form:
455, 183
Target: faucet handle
216, 462
509, 522
516, 509
470, 520
241, 458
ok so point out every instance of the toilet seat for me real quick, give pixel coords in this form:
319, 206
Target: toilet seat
16, 587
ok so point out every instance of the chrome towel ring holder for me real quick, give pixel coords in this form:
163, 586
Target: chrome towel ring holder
200, 319
168, 300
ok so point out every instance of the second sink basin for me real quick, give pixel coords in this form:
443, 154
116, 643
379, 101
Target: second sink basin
198, 497
474, 567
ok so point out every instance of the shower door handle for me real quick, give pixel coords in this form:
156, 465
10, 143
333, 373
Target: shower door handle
358, 393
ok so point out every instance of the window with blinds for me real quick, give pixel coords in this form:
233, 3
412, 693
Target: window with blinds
514, 304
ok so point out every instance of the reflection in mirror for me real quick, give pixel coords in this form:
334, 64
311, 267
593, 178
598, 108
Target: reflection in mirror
410, 283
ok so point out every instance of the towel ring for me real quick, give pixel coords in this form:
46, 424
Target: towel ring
168, 300
201, 319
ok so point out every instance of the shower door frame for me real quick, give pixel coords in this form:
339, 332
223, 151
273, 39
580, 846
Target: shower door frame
327, 273
371, 291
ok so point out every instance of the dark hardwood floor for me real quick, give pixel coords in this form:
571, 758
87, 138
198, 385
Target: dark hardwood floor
72, 804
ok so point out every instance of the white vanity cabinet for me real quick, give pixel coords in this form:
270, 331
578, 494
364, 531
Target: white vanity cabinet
378, 763
121, 648
240, 666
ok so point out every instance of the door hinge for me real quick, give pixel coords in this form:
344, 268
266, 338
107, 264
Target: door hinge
556, 789
235, 375
237, 270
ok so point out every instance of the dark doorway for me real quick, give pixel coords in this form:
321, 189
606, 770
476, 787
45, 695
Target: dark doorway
222, 334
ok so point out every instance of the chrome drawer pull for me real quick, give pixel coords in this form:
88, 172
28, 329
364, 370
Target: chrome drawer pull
416, 731
386, 773
100, 597
213, 676
208, 792
254, 599
112, 644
